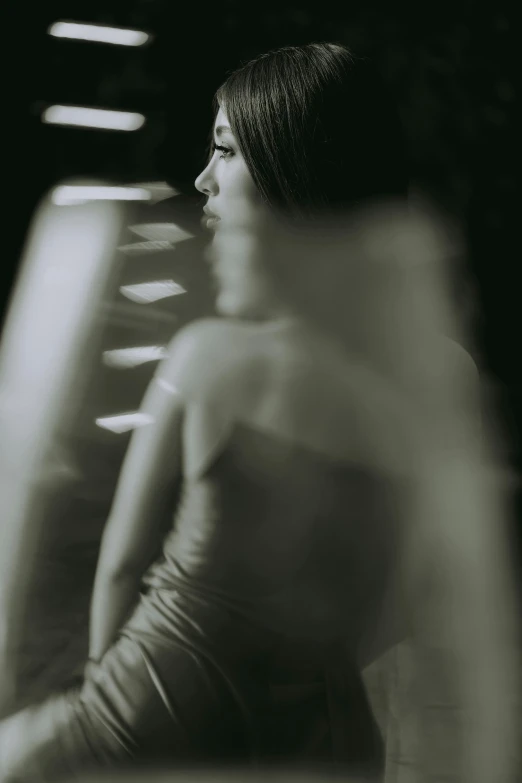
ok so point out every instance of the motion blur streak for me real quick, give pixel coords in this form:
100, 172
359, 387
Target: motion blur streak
161, 232
64, 272
132, 357
87, 117
124, 422
144, 293
90, 32
81, 194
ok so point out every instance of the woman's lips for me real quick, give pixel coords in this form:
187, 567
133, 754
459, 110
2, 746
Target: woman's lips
209, 220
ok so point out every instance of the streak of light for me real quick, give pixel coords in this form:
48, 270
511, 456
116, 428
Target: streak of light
155, 246
159, 190
124, 358
88, 117
170, 232
144, 293
66, 195
124, 422
79, 31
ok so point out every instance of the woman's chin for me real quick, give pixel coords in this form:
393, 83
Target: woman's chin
227, 305
231, 306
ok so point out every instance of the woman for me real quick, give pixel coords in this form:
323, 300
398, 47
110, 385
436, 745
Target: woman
290, 431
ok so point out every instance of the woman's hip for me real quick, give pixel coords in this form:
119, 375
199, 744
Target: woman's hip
144, 700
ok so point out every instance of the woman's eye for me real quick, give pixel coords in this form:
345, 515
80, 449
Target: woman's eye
225, 152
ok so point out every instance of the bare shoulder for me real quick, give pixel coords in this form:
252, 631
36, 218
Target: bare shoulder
208, 352
209, 334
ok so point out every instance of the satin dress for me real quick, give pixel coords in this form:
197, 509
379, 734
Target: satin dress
243, 647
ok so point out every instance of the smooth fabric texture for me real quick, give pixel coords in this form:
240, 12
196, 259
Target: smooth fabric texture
244, 643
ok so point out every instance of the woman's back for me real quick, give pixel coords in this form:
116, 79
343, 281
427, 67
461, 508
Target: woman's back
284, 541
291, 502
288, 379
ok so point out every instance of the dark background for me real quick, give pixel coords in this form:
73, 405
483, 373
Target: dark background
451, 67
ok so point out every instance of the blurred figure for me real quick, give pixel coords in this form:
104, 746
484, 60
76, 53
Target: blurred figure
329, 501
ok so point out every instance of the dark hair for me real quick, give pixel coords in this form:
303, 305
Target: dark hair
316, 128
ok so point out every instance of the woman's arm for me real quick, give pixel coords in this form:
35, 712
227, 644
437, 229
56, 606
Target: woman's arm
198, 370
114, 597
135, 526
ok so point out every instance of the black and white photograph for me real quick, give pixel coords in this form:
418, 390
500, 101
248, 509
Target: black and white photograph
260, 400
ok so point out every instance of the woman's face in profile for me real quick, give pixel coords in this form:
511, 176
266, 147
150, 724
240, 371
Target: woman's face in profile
236, 214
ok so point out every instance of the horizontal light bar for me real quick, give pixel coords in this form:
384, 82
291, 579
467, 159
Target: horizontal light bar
125, 358
144, 293
118, 36
66, 195
170, 232
85, 117
160, 190
138, 248
124, 422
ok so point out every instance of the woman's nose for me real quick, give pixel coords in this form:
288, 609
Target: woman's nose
205, 182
